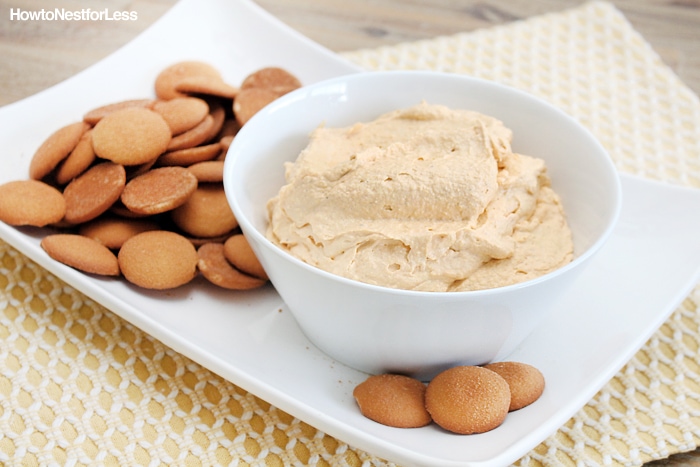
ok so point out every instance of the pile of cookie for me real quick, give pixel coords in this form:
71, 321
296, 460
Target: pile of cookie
462, 399
135, 189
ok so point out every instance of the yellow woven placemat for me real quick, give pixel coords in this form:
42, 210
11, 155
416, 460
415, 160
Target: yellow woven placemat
80, 386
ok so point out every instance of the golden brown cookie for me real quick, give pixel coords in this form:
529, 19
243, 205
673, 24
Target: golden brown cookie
208, 171
131, 136
250, 101
197, 241
55, 148
77, 161
214, 267
193, 137
525, 381
82, 253
189, 156
277, 80
97, 114
206, 214
112, 231
158, 260
182, 113
119, 210
225, 143
30, 202
206, 85
230, 127
239, 253
133, 171
159, 190
218, 115
468, 399
93, 192
393, 400
168, 79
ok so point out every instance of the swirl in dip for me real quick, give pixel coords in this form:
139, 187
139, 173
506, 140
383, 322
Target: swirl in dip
425, 198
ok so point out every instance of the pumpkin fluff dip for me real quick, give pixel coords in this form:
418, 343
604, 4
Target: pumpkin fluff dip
425, 198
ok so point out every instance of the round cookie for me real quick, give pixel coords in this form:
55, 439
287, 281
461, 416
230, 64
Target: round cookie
193, 137
97, 114
217, 270
393, 400
31, 202
276, 79
189, 156
94, 192
238, 252
131, 136
206, 213
208, 171
206, 85
158, 260
218, 115
229, 127
55, 148
468, 399
168, 79
182, 113
77, 161
249, 101
112, 232
225, 143
82, 253
159, 190
526, 382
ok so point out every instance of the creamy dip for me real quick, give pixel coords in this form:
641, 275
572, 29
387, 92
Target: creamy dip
424, 198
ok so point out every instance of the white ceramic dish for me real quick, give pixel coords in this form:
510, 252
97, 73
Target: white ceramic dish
379, 329
639, 277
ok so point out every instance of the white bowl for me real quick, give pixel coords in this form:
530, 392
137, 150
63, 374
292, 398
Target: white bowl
378, 329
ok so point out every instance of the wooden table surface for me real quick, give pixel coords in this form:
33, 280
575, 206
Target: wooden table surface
35, 55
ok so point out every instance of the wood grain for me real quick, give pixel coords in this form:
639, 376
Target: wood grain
35, 55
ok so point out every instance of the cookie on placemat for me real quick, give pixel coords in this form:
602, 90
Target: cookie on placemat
82, 253
55, 148
393, 400
30, 202
526, 382
468, 399
93, 192
131, 136
159, 190
217, 270
158, 260
239, 253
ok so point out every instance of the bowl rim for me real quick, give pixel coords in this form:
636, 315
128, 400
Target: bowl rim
248, 228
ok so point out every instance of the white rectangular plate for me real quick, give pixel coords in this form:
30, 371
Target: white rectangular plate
636, 281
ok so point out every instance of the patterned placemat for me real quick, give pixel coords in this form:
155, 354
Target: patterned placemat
80, 386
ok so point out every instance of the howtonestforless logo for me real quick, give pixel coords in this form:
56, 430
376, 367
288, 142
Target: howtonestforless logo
63, 14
